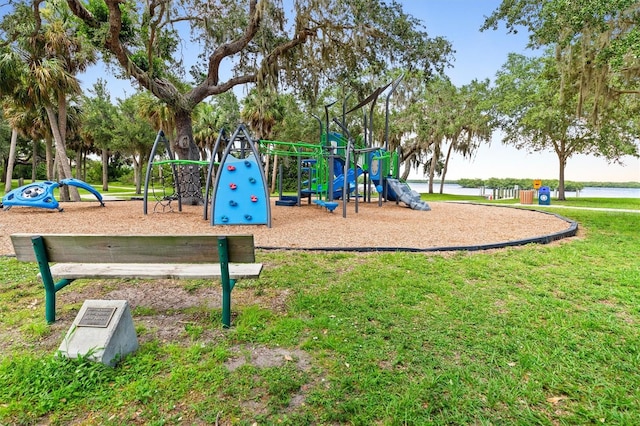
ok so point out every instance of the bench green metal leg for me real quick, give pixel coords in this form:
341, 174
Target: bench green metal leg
227, 282
50, 287
226, 303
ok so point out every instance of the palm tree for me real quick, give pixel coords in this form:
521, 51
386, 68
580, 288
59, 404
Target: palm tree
9, 78
205, 128
49, 78
262, 109
50, 55
435, 112
133, 135
98, 116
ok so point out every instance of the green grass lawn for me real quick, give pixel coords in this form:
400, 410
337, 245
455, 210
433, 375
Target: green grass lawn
590, 202
541, 334
614, 203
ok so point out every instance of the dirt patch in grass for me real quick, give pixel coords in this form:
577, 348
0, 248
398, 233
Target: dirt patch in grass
262, 357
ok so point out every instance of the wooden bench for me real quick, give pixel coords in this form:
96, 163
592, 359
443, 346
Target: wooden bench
78, 256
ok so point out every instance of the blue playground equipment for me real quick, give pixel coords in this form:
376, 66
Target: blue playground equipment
240, 193
40, 194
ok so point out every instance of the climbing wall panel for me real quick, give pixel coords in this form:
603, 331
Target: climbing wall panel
240, 195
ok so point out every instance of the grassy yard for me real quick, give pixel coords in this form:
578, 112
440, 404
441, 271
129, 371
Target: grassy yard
580, 202
533, 335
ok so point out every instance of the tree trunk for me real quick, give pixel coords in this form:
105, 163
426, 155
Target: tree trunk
266, 165
432, 171
189, 183
48, 143
446, 165
274, 174
12, 160
434, 164
64, 189
84, 167
105, 169
61, 156
137, 173
78, 163
34, 161
405, 173
563, 164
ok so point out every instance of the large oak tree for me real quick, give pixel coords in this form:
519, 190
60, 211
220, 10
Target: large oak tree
537, 113
587, 82
232, 43
595, 40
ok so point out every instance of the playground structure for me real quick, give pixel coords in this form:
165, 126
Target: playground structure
40, 194
332, 169
235, 186
163, 177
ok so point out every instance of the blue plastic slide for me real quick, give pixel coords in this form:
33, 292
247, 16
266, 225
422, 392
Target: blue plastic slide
338, 182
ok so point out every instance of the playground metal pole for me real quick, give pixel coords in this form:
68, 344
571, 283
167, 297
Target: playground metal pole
221, 136
159, 137
328, 144
367, 140
394, 86
345, 183
330, 186
299, 180
345, 191
320, 123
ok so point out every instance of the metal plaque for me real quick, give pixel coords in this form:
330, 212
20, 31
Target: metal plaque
96, 317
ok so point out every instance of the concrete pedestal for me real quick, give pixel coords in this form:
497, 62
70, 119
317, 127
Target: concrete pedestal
102, 331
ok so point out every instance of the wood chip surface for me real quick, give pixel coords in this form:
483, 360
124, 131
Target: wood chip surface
309, 226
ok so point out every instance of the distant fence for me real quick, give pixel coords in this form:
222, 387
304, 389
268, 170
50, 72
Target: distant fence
500, 193
512, 193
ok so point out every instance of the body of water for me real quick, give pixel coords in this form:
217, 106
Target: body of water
423, 187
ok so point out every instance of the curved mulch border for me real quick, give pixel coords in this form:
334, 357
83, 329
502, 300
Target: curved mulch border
457, 226
544, 239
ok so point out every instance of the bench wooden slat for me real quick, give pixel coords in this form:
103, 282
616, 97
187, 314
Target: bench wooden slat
152, 270
92, 248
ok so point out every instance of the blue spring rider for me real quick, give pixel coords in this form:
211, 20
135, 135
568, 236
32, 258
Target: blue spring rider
40, 194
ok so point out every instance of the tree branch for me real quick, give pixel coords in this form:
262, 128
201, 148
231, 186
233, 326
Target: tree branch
299, 39
626, 92
81, 12
233, 47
